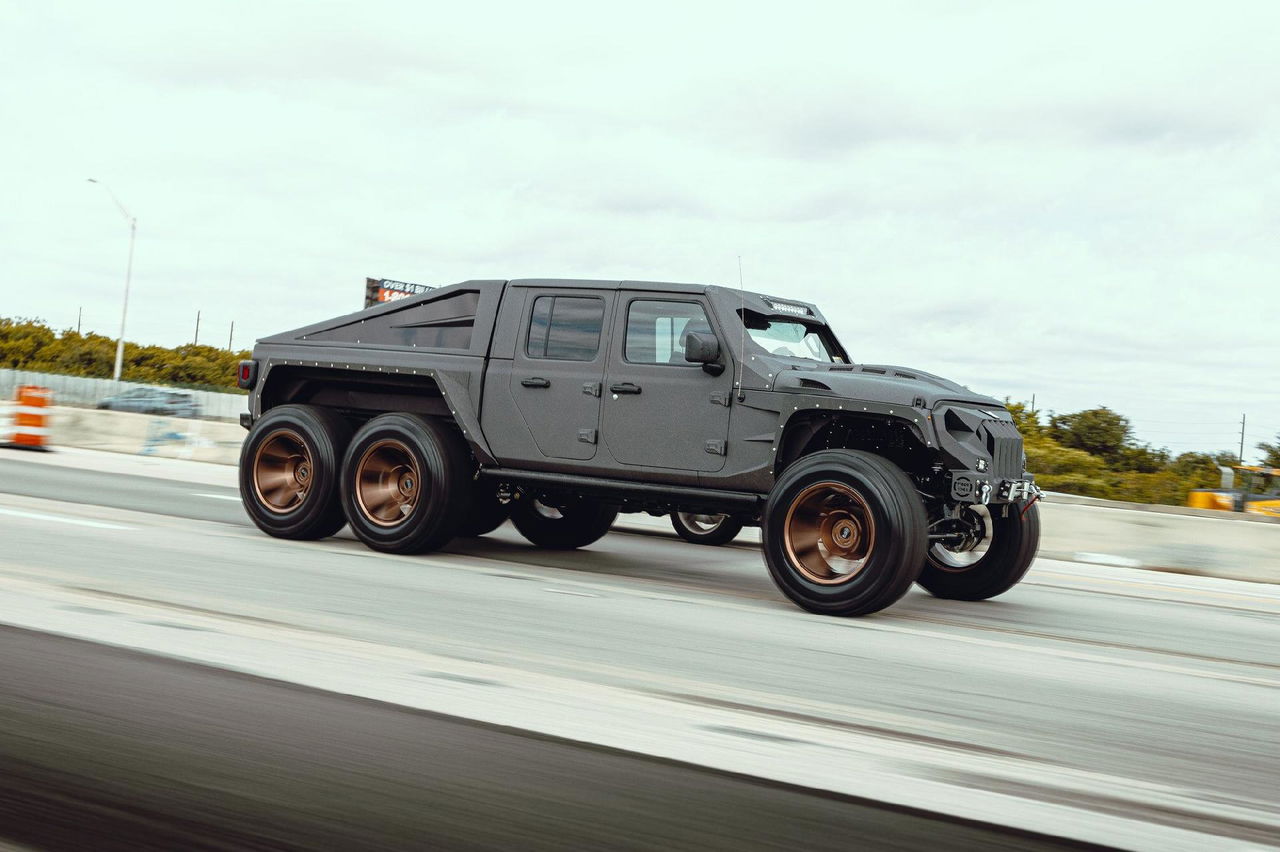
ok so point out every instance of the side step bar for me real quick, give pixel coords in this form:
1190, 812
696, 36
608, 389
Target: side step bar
630, 492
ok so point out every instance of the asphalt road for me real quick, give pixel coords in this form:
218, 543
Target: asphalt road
137, 493
1109, 692
115, 750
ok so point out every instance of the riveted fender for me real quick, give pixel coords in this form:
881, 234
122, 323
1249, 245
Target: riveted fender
807, 415
465, 415
402, 372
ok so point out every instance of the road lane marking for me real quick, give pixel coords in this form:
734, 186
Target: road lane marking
235, 497
568, 592
1081, 583
1070, 654
62, 519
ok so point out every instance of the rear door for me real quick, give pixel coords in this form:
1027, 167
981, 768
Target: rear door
660, 410
558, 369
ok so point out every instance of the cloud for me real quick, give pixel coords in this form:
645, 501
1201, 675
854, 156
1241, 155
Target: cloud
1011, 194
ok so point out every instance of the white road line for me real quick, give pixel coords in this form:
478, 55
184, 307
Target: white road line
568, 592
81, 522
235, 497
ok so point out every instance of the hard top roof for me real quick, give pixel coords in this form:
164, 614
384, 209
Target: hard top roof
596, 284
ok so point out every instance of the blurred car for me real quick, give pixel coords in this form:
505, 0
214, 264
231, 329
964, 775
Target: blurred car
153, 401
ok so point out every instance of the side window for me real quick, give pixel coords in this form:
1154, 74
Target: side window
656, 330
565, 328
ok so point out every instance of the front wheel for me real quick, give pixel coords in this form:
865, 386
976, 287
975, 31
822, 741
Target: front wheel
990, 556
562, 524
844, 533
698, 528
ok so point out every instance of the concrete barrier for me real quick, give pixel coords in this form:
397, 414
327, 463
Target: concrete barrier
1225, 544
146, 434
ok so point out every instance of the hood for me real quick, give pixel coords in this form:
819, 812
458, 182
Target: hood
878, 383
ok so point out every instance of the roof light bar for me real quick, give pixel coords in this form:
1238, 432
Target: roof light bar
788, 308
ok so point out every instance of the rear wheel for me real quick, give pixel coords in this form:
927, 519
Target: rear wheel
699, 528
404, 483
289, 472
562, 524
990, 556
844, 533
485, 512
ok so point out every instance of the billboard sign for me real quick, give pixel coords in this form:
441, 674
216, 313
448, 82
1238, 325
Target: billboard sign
379, 290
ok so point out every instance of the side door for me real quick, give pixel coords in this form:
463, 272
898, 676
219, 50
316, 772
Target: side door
660, 410
558, 369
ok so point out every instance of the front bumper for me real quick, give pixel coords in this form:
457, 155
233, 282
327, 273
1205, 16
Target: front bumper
970, 487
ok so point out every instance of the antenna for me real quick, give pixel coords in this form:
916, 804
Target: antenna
742, 318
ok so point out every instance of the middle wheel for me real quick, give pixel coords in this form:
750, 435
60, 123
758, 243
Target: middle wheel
701, 528
562, 524
405, 482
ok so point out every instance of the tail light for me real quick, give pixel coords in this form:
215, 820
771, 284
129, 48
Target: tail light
247, 374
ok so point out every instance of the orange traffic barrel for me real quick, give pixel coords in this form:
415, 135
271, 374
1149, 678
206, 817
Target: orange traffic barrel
31, 418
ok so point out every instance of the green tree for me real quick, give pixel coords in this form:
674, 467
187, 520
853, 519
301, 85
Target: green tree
1026, 419
28, 344
22, 340
1270, 453
1141, 459
1098, 431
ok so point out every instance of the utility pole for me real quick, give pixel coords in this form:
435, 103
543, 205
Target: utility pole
231, 335
1241, 439
196, 342
79, 316
128, 275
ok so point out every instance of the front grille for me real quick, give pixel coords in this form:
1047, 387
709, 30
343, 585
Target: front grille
1005, 445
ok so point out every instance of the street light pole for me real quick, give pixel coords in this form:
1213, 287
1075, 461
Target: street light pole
128, 275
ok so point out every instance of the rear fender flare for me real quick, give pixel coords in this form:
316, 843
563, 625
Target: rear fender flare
453, 392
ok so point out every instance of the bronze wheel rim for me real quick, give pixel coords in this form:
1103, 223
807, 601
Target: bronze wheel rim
388, 483
282, 471
829, 533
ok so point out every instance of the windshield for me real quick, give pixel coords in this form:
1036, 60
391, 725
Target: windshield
790, 338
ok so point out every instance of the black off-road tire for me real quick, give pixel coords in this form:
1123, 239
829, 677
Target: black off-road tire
290, 466
566, 525
1010, 552
867, 515
485, 513
406, 481
694, 531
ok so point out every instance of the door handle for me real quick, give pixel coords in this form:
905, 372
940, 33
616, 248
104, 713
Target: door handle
625, 387
536, 382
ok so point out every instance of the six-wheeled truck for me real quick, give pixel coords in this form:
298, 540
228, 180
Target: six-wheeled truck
560, 403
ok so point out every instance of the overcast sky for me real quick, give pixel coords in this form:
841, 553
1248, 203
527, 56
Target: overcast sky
1078, 201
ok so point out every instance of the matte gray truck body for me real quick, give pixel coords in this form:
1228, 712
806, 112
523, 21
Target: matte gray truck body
584, 389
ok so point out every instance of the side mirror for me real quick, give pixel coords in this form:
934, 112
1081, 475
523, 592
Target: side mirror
701, 348
704, 349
